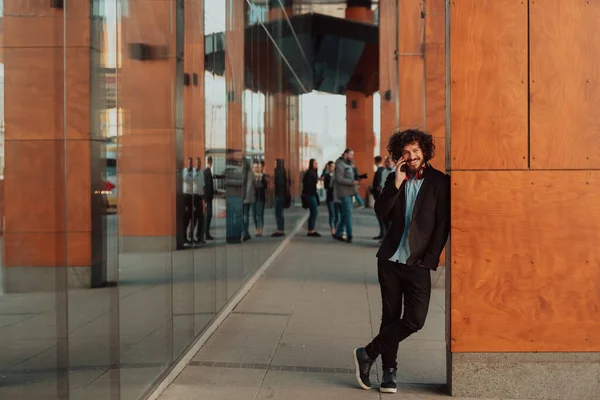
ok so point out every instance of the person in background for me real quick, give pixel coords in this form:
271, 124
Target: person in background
332, 206
345, 189
261, 198
199, 190
358, 178
390, 166
376, 191
309, 193
281, 184
209, 195
234, 190
249, 197
188, 198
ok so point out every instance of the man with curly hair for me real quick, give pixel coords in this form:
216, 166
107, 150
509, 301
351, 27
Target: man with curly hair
415, 201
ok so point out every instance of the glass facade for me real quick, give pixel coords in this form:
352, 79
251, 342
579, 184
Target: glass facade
112, 111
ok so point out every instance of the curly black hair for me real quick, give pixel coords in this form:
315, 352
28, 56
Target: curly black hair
400, 139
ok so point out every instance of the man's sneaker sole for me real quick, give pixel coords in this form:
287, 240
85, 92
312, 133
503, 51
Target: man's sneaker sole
388, 390
360, 382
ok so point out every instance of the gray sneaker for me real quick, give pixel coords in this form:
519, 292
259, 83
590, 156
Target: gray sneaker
388, 382
363, 364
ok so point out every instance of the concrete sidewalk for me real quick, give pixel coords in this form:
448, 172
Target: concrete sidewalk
293, 334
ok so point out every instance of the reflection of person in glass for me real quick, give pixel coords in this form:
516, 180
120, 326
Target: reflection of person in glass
199, 187
188, 197
249, 196
281, 192
234, 190
261, 197
209, 195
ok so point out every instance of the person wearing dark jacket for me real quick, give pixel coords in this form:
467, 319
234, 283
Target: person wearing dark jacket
282, 185
376, 191
357, 177
260, 199
209, 195
416, 200
309, 194
332, 206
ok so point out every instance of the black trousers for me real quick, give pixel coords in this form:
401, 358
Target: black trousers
400, 285
198, 216
208, 216
188, 213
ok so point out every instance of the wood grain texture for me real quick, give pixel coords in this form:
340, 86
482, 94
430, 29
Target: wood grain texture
411, 27
435, 89
411, 89
388, 79
525, 261
565, 84
488, 41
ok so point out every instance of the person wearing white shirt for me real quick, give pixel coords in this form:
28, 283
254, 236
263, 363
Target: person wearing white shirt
198, 188
188, 192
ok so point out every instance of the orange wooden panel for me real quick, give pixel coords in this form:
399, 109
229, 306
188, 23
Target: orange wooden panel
147, 151
75, 9
22, 31
34, 93
34, 186
410, 27
146, 94
388, 79
525, 261
146, 204
47, 249
435, 96
435, 30
435, 6
488, 45
79, 186
35, 170
411, 88
565, 85
439, 161
359, 134
148, 22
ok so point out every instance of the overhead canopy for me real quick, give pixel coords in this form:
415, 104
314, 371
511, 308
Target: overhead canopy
313, 52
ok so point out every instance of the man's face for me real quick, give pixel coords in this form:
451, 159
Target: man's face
413, 155
198, 163
350, 156
256, 168
190, 163
331, 168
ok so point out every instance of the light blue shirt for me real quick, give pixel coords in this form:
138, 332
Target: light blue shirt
411, 189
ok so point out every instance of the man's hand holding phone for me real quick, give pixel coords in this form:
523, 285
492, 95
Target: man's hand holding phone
400, 172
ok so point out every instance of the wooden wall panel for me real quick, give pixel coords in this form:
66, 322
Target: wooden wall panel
489, 84
525, 261
388, 79
411, 64
411, 85
565, 84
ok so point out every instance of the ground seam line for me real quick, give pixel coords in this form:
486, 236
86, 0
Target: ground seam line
185, 359
262, 381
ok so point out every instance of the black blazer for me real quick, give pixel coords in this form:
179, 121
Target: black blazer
209, 192
375, 188
430, 221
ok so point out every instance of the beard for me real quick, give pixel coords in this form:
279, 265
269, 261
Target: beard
414, 168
